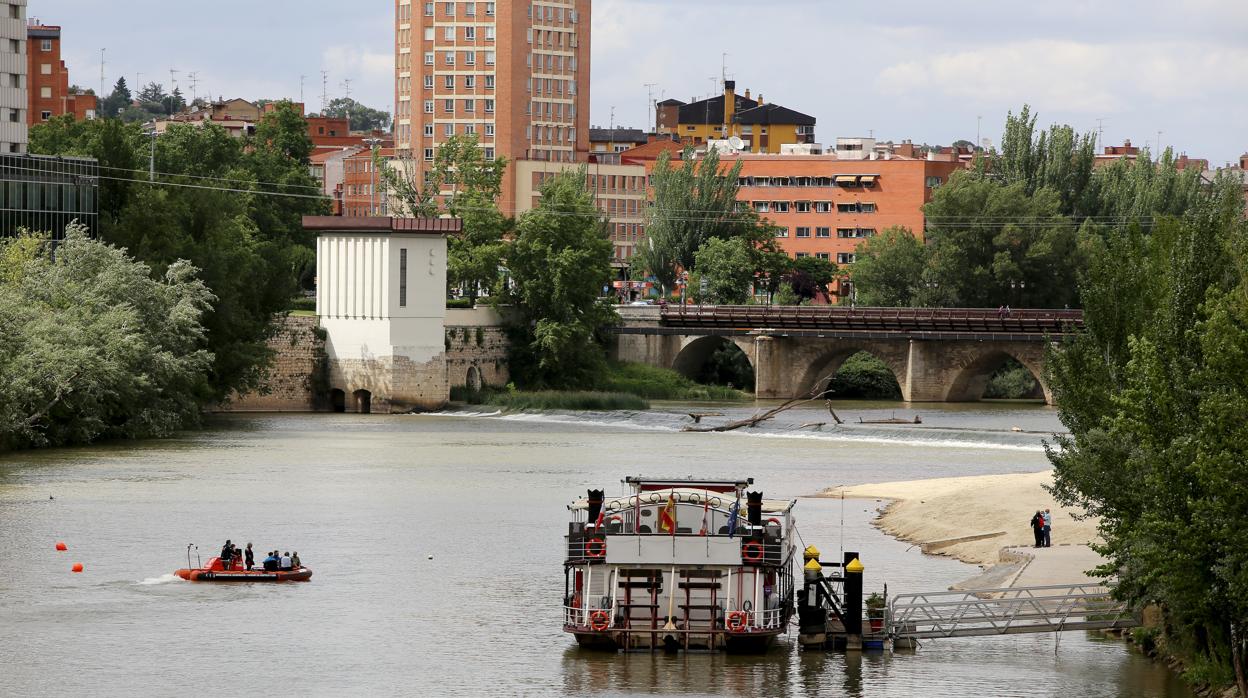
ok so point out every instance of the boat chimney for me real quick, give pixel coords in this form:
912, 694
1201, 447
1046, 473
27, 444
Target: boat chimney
754, 507
595, 506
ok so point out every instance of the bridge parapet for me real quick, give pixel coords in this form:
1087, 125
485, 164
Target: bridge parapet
900, 320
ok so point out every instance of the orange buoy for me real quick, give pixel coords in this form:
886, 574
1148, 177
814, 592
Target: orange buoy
77, 567
61, 546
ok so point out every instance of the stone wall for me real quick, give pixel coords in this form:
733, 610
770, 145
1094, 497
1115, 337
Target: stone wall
289, 386
476, 348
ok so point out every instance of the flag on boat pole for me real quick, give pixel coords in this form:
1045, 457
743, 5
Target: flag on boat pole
706, 510
733, 514
667, 517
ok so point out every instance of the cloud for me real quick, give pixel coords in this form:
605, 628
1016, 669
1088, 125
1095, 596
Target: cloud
1072, 76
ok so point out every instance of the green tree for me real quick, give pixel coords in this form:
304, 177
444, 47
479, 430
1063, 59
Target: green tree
559, 262
1153, 393
889, 268
993, 244
728, 267
92, 346
117, 101
692, 203
1059, 160
362, 118
810, 277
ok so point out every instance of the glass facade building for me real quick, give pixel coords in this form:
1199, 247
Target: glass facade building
44, 194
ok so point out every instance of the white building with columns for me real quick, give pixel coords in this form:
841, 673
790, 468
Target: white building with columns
381, 298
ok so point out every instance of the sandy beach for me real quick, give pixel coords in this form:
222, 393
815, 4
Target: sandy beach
971, 518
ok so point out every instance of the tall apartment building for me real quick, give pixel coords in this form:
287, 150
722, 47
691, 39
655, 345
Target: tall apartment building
516, 74
48, 88
13, 138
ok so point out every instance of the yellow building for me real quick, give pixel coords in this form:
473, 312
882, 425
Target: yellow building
763, 127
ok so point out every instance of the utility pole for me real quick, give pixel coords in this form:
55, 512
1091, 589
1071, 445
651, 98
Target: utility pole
301, 79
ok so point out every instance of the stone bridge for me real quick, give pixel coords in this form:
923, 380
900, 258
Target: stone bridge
936, 355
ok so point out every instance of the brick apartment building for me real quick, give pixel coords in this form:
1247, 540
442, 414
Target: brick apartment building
515, 74
763, 127
361, 192
48, 87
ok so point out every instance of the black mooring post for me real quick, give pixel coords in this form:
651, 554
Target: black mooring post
853, 594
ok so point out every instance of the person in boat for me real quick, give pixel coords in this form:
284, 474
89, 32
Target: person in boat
227, 554
250, 557
286, 562
294, 561
270, 563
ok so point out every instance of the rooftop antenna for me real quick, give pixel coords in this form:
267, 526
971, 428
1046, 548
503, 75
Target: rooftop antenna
324, 90
723, 67
101, 96
1157, 156
979, 120
651, 106
173, 85
1100, 132
194, 76
346, 86
301, 80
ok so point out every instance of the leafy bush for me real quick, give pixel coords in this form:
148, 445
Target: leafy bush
303, 303
1011, 382
459, 303
549, 399
866, 377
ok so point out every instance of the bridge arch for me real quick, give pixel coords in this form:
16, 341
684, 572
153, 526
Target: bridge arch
970, 379
825, 365
695, 352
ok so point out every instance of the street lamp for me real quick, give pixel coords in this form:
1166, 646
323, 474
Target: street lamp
373, 144
1021, 287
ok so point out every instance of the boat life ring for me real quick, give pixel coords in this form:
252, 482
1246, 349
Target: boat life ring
715, 502
752, 551
773, 520
695, 499
599, 620
736, 621
595, 547
615, 519
655, 498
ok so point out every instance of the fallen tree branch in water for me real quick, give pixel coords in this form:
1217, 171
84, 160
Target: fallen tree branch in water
815, 395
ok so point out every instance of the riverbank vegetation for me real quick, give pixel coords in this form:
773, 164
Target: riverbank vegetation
1154, 393
232, 207
653, 383
93, 345
509, 398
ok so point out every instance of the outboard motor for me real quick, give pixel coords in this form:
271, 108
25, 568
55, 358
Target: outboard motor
754, 508
595, 506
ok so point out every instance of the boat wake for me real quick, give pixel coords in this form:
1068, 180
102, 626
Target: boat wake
162, 579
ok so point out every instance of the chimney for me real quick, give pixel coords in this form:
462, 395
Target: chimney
747, 93
760, 99
730, 104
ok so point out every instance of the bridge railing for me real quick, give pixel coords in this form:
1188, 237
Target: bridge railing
1038, 609
986, 320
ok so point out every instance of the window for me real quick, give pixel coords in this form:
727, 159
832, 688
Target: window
15, 11
449, 56
489, 129
762, 206
823, 207
822, 232
45, 68
489, 8
448, 34
489, 82
470, 33
470, 58
448, 81
803, 232
470, 128
448, 130
429, 58
780, 206
403, 277
428, 82
429, 130
45, 45
470, 9
489, 33
823, 255
450, 8
866, 207
489, 106
845, 257
448, 106
428, 154
932, 182
470, 82
782, 232
489, 58
470, 105
799, 255
428, 9
428, 106
802, 206
45, 92
489, 153
45, 115
428, 33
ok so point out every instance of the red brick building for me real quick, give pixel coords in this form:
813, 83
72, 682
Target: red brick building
361, 191
48, 87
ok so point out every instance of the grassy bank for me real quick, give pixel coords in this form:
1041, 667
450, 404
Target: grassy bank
578, 400
653, 383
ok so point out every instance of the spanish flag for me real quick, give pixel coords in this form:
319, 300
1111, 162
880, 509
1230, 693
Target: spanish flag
667, 517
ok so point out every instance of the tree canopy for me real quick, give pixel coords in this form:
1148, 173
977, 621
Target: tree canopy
559, 262
362, 118
93, 345
233, 207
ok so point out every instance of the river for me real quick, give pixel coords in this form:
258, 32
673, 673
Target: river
437, 550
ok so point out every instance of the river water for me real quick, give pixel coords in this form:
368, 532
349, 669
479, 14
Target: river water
437, 550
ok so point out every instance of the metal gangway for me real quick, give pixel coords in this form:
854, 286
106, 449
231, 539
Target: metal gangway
980, 612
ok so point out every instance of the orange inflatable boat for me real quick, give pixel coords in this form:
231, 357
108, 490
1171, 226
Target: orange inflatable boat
217, 571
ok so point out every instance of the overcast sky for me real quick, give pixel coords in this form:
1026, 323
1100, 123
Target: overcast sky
896, 68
